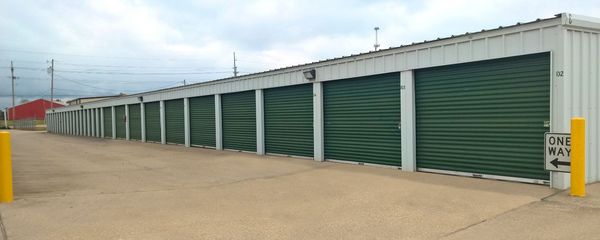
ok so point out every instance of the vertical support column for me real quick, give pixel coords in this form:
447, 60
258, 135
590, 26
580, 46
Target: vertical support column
260, 122
81, 123
93, 123
97, 115
102, 123
73, 118
407, 121
80, 120
560, 100
218, 123
126, 122
114, 122
318, 139
186, 120
143, 119
163, 128
84, 120
68, 123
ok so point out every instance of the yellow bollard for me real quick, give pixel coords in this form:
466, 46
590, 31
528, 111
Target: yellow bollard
578, 157
6, 185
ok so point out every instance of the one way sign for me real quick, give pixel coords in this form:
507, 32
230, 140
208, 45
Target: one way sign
557, 148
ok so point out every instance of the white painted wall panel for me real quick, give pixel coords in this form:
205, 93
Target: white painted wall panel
582, 90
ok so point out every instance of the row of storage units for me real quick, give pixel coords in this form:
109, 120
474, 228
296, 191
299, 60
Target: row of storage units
484, 117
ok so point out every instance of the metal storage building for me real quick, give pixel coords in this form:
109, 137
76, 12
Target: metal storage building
475, 104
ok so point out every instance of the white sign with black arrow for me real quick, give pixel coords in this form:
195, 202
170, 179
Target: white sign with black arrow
557, 148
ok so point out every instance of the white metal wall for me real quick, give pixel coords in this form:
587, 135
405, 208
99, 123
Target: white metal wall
582, 89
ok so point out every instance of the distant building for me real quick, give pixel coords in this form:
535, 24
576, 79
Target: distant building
92, 99
33, 110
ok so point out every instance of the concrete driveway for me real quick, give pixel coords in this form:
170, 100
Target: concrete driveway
87, 188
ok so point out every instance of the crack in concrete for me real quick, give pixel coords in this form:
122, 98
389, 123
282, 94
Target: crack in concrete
3, 229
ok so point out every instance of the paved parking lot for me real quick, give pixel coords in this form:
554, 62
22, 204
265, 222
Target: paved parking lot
85, 188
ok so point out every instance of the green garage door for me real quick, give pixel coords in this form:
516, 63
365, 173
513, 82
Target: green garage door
107, 122
485, 117
362, 119
239, 121
152, 117
202, 121
135, 122
289, 120
174, 122
120, 121
93, 123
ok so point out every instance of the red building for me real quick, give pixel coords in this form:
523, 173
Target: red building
34, 110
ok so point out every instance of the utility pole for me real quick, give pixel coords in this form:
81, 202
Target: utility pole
52, 84
235, 71
376, 43
12, 77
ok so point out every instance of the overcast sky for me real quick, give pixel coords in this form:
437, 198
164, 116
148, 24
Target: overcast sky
105, 47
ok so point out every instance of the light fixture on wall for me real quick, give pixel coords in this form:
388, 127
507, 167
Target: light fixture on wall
81, 106
141, 98
310, 75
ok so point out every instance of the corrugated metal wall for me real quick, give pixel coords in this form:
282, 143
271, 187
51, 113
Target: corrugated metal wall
581, 92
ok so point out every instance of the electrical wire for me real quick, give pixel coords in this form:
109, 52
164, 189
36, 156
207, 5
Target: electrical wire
139, 73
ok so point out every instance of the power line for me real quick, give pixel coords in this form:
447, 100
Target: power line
98, 56
139, 73
132, 66
82, 84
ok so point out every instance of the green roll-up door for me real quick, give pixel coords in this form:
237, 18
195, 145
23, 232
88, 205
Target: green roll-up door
135, 122
93, 123
289, 120
152, 117
107, 122
485, 117
120, 121
202, 121
239, 121
362, 119
174, 123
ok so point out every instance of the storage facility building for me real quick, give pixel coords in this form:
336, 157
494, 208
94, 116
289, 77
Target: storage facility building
476, 104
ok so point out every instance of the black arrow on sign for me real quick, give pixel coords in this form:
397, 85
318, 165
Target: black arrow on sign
555, 162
